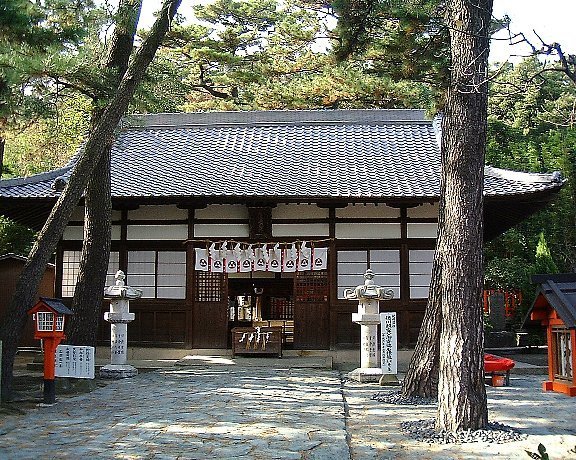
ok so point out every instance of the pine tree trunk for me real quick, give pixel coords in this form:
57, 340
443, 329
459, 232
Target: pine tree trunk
101, 138
88, 295
2, 148
461, 391
82, 327
422, 376
421, 380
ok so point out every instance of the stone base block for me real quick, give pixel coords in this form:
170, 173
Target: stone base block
389, 380
118, 371
366, 374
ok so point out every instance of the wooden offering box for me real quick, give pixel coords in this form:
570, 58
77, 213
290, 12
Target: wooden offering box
257, 341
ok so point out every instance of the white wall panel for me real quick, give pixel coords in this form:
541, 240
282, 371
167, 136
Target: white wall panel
158, 212
280, 230
222, 211
422, 230
76, 233
157, 232
299, 211
426, 210
367, 231
368, 210
78, 214
221, 230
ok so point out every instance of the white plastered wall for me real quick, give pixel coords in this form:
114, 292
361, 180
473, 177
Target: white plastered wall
222, 212
427, 210
221, 230
288, 230
299, 211
158, 212
368, 230
367, 211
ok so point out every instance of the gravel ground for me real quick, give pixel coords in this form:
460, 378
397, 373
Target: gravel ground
521, 414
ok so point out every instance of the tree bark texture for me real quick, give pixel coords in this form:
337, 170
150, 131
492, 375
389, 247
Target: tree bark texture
2, 148
122, 41
422, 376
100, 138
461, 391
89, 292
82, 327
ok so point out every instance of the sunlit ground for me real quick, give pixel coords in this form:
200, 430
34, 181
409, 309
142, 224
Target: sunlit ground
220, 410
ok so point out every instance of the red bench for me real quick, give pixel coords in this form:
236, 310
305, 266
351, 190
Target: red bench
498, 366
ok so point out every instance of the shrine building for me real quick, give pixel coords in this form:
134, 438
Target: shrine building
264, 218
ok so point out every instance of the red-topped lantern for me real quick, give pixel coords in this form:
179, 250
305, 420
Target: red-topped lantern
49, 316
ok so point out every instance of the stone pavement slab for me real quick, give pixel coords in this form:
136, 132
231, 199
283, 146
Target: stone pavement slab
192, 413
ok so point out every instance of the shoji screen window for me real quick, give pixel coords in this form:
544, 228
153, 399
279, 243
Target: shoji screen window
420, 267
71, 270
159, 274
385, 263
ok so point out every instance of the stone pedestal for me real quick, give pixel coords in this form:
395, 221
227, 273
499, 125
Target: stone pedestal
368, 317
119, 316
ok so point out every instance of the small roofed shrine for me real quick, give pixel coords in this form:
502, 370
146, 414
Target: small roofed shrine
555, 308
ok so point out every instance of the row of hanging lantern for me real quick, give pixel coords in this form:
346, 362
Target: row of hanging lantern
228, 257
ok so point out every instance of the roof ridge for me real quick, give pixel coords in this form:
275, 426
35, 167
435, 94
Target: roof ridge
43, 176
521, 176
275, 124
275, 118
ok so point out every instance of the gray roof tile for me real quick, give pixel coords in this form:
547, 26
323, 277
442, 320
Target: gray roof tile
359, 154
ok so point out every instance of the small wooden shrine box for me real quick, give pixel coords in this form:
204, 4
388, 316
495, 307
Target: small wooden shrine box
555, 308
257, 340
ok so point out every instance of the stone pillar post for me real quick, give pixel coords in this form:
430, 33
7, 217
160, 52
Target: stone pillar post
119, 316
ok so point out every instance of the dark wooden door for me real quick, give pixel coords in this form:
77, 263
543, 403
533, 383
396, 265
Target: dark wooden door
311, 311
210, 313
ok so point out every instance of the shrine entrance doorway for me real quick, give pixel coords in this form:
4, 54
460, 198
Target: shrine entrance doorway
258, 302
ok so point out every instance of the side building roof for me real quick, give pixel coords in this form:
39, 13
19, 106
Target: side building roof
559, 292
341, 155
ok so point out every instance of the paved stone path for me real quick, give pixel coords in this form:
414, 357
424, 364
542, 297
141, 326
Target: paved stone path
214, 413
263, 413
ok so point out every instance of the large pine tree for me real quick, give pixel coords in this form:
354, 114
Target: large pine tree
83, 327
461, 389
98, 142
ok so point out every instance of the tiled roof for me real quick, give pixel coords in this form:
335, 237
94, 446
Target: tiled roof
559, 291
355, 154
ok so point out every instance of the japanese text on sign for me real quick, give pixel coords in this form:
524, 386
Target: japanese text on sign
73, 361
389, 347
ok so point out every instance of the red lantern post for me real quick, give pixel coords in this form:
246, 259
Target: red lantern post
49, 315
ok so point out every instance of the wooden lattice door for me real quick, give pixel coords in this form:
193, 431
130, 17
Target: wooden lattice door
210, 318
311, 310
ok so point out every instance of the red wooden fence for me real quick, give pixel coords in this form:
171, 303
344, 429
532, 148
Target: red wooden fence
512, 300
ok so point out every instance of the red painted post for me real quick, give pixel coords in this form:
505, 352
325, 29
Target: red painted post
50, 345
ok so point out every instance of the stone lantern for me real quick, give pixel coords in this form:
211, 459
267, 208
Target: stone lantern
119, 316
368, 316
